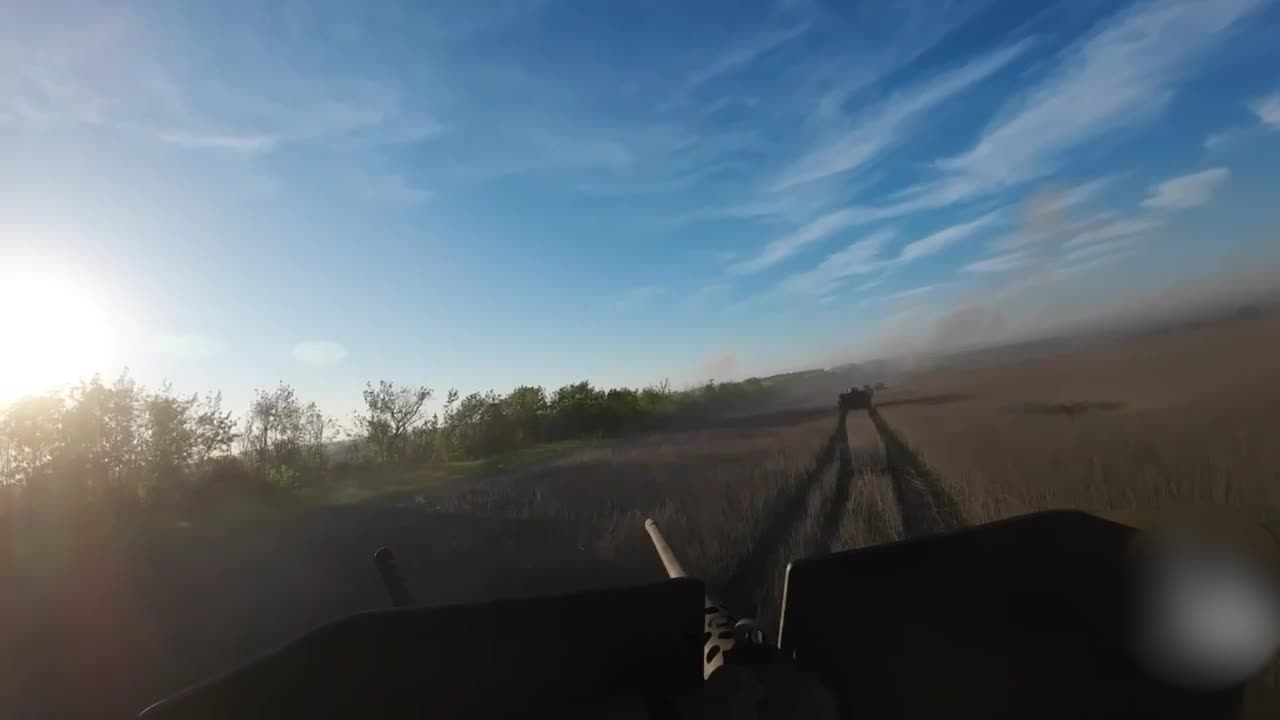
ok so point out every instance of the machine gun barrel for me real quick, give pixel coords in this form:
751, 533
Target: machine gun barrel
721, 634
668, 558
400, 594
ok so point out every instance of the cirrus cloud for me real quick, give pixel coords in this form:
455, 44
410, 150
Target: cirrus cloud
1268, 110
1187, 190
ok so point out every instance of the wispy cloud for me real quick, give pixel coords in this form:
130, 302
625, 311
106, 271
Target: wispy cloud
940, 240
1114, 230
319, 353
61, 79
794, 205
1187, 190
911, 293
858, 258
1222, 138
914, 28
1050, 215
361, 117
824, 226
740, 56
1096, 250
999, 263
1055, 202
1268, 109
1122, 74
882, 127
248, 143
791, 243
1095, 261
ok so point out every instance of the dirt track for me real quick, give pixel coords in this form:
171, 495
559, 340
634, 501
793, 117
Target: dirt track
925, 505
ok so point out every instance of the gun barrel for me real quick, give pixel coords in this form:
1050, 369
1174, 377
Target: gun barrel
385, 561
668, 558
720, 633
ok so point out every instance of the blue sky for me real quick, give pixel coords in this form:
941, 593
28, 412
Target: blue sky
483, 194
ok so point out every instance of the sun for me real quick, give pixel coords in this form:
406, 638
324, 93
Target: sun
54, 330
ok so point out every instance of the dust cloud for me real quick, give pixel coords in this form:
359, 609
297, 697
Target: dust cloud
1042, 298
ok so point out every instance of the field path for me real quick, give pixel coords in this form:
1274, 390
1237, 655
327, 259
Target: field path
838, 505
752, 570
926, 505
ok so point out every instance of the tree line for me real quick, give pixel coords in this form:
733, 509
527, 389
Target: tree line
121, 444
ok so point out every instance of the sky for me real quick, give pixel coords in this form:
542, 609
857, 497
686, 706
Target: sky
480, 195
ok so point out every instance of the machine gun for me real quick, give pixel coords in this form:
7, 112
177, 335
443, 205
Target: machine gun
1039, 616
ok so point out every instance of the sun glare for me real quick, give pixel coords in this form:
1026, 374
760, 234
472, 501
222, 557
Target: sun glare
55, 331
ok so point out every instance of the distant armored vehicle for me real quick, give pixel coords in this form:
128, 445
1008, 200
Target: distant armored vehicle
856, 399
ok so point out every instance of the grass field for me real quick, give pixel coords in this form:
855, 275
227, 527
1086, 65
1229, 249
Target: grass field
1143, 425
127, 615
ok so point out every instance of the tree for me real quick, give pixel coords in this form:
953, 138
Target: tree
451, 399
577, 409
87, 446
621, 410
169, 445
443, 437
122, 441
273, 428
33, 434
657, 400
114, 442
213, 430
480, 425
318, 430
104, 431
526, 408
425, 440
391, 414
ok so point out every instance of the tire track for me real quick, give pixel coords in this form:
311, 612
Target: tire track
925, 504
750, 571
873, 516
838, 507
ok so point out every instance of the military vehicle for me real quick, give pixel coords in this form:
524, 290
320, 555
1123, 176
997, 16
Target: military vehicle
1048, 615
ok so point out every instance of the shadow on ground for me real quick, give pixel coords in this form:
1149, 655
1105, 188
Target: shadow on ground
1067, 409
925, 400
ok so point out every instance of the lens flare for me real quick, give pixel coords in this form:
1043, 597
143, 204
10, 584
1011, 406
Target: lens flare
1209, 615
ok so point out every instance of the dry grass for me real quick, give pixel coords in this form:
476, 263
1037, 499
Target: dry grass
736, 504
1145, 425
872, 516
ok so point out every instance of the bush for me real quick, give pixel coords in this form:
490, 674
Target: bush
229, 477
284, 477
121, 446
